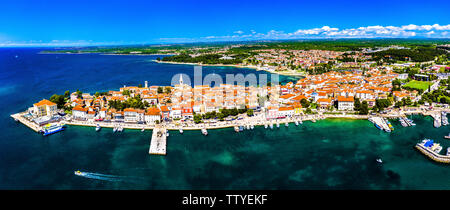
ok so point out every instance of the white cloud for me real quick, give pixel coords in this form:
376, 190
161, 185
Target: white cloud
238, 32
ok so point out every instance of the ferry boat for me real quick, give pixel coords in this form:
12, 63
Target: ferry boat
204, 131
52, 128
97, 128
181, 130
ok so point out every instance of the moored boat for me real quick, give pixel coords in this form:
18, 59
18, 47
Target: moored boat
204, 131
97, 128
52, 128
447, 137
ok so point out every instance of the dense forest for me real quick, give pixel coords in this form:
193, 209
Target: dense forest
204, 59
420, 54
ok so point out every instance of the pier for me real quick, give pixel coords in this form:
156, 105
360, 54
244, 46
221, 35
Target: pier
158, 142
18, 117
432, 154
381, 123
437, 119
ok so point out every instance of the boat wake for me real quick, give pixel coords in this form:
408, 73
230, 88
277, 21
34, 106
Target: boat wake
108, 177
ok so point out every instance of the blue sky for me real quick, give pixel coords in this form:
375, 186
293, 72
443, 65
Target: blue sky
97, 22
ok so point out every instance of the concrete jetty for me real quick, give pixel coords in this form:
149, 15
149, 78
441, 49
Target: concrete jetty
437, 119
432, 154
26, 122
380, 122
158, 142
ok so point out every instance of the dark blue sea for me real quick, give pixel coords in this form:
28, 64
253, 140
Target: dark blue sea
328, 154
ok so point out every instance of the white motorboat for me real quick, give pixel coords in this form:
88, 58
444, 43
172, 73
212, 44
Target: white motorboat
204, 131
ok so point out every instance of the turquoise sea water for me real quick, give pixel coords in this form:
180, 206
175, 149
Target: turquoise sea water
328, 154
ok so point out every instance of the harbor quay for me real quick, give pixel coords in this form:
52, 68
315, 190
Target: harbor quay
431, 150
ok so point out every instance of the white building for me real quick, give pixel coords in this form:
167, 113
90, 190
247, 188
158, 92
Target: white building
345, 103
152, 115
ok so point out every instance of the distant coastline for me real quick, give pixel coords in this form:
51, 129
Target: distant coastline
100, 53
285, 73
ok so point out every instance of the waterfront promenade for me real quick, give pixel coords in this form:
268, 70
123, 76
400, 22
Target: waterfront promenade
258, 120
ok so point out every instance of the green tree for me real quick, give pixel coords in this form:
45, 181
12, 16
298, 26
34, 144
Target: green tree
250, 112
357, 104
305, 103
79, 94
168, 90
160, 89
59, 100
67, 94
126, 92
364, 108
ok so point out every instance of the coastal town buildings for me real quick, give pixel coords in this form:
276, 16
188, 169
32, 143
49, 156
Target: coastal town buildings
44, 108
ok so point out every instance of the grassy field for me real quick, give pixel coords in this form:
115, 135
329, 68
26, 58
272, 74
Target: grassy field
417, 84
